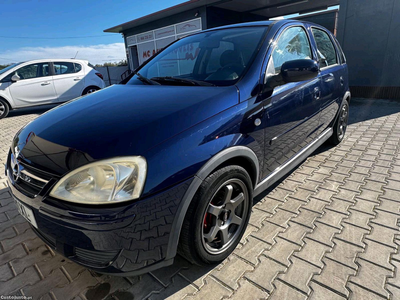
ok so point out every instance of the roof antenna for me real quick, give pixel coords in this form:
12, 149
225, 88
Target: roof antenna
76, 54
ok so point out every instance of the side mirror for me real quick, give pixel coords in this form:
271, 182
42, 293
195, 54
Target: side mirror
15, 78
299, 70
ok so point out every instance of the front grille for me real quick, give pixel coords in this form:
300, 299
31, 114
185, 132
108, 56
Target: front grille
94, 258
29, 181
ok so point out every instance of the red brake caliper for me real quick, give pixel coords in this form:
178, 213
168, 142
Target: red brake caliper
207, 220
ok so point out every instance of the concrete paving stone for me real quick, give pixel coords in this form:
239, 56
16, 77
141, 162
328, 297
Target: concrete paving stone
389, 206
299, 266
290, 185
41, 254
278, 194
295, 233
281, 217
386, 219
340, 206
371, 277
211, 290
231, 271
17, 252
323, 233
383, 235
390, 194
196, 274
28, 277
380, 170
265, 273
32, 244
9, 223
394, 279
344, 253
292, 205
334, 276
319, 292
5, 273
356, 177
268, 232
298, 177
258, 216
83, 282
305, 169
392, 185
369, 195
252, 249
282, 251
330, 186
365, 206
318, 177
178, 289
164, 275
284, 291
302, 194
313, 252
7, 233
394, 291
378, 254
12, 242
324, 195
47, 284
306, 218
352, 234
269, 205
248, 291
249, 230
337, 177
332, 218
360, 293
347, 195
373, 185
365, 163
316, 205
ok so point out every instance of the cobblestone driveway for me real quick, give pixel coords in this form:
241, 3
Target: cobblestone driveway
328, 231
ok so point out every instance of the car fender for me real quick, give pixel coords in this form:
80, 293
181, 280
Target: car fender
207, 169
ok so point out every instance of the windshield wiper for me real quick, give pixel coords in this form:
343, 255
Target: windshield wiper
185, 81
145, 80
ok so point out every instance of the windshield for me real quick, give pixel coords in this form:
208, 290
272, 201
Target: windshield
217, 57
9, 68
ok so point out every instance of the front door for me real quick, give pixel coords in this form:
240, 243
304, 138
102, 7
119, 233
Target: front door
69, 80
35, 87
292, 112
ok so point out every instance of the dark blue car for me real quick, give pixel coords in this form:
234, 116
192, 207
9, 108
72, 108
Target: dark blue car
122, 179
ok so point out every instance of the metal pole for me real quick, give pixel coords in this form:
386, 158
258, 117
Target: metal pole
109, 78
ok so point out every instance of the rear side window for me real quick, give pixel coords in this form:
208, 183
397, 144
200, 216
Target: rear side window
292, 44
78, 67
61, 68
326, 51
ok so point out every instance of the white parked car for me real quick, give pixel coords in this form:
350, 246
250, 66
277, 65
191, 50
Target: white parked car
46, 81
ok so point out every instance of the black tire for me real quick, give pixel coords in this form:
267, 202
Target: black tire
340, 126
4, 109
216, 196
89, 90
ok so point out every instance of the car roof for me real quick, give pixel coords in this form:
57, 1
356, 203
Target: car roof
55, 59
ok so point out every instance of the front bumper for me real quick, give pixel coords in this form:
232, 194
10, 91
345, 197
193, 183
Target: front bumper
126, 240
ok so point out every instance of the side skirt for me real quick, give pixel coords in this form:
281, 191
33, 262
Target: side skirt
294, 161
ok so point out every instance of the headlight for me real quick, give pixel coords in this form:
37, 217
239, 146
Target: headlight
102, 182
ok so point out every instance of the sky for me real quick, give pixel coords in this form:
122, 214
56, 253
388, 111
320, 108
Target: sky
33, 29
25, 24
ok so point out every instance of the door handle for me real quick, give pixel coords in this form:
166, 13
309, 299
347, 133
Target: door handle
45, 83
77, 79
341, 80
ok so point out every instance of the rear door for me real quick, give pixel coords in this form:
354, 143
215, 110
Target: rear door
35, 87
69, 80
332, 76
292, 112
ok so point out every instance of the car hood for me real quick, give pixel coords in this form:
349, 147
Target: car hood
120, 120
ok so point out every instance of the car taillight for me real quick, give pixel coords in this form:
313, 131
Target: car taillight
99, 74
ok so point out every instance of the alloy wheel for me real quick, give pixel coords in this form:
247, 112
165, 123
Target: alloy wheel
225, 216
2, 109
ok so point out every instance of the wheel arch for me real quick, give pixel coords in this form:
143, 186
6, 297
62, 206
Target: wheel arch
8, 102
237, 155
90, 86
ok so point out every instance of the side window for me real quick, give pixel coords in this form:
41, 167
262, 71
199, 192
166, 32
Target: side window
78, 67
292, 44
326, 51
61, 68
214, 62
29, 71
